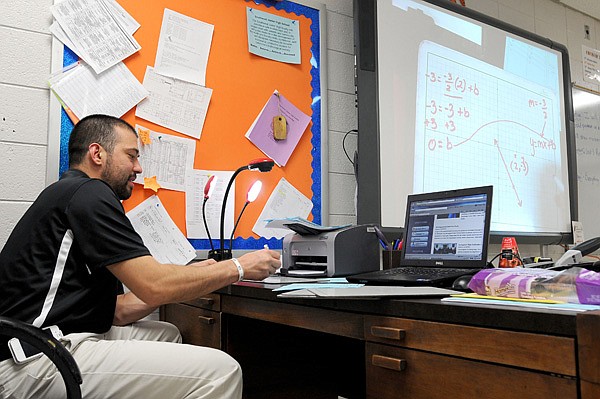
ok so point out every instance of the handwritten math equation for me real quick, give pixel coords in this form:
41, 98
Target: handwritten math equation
455, 85
460, 110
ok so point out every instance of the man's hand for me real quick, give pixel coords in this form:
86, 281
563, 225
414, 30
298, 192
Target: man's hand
261, 264
130, 308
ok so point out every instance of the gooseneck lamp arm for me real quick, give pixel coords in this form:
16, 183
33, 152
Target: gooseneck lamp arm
223, 253
236, 224
251, 195
212, 247
262, 165
208, 189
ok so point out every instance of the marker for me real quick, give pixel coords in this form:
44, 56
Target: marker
71, 115
68, 111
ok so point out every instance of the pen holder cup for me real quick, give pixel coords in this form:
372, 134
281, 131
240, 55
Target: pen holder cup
391, 259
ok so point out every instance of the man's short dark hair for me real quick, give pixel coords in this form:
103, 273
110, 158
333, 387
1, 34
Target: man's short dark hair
94, 129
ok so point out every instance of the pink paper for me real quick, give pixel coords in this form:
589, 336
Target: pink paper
261, 131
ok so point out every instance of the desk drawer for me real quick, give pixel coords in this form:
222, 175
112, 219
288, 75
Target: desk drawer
526, 350
197, 326
394, 372
209, 301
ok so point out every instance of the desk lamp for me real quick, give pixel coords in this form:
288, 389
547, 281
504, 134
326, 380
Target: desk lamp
261, 165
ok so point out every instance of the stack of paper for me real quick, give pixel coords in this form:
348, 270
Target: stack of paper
285, 200
301, 226
99, 31
519, 302
367, 291
114, 92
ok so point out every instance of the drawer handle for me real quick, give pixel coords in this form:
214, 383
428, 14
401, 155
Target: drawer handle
206, 301
388, 332
388, 362
206, 320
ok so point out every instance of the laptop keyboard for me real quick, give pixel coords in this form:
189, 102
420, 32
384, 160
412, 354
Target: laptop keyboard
425, 271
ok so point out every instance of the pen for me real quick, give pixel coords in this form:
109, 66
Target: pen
266, 246
384, 242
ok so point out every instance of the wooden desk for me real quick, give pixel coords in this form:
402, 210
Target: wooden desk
385, 348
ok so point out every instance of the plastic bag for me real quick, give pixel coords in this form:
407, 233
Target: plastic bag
574, 285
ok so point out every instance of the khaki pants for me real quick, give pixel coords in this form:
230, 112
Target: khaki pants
144, 360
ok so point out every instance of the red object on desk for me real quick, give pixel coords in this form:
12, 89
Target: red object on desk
510, 253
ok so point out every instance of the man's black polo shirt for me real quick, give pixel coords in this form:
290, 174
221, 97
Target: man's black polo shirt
53, 266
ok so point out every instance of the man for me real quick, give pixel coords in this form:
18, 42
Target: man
64, 264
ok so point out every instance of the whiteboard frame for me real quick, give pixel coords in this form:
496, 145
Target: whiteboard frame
369, 176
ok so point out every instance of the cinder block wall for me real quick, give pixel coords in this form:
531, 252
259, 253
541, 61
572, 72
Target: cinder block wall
25, 62
24, 101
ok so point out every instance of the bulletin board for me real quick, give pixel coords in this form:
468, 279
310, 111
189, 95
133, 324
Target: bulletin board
242, 83
586, 105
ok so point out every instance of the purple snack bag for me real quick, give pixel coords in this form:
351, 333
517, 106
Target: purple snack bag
588, 287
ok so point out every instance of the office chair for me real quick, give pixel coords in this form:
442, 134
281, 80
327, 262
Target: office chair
51, 347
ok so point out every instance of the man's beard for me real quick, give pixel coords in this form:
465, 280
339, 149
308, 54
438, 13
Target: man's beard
118, 181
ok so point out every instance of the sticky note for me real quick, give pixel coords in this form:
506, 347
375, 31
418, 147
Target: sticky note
144, 135
151, 183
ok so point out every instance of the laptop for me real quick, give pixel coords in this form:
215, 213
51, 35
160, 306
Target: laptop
446, 236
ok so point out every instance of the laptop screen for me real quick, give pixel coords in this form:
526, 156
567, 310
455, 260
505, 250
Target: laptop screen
448, 228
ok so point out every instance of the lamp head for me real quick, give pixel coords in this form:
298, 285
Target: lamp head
210, 186
262, 164
254, 191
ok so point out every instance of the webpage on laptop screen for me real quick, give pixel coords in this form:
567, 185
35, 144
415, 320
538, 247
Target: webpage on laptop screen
446, 229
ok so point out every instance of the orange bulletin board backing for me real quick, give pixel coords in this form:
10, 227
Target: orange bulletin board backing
242, 83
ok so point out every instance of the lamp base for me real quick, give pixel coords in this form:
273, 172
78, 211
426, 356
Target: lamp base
220, 254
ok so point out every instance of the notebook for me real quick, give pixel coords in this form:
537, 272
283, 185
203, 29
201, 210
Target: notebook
446, 236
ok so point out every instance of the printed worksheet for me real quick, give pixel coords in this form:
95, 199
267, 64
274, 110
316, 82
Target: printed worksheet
272, 36
183, 47
167, 157
123, 17
161, 236
95, 32
194, 203
113, 92
175, 104
285, 201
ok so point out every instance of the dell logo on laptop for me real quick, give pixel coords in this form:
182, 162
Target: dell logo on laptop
439, 263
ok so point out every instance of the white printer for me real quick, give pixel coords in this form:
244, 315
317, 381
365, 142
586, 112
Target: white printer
349, 250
